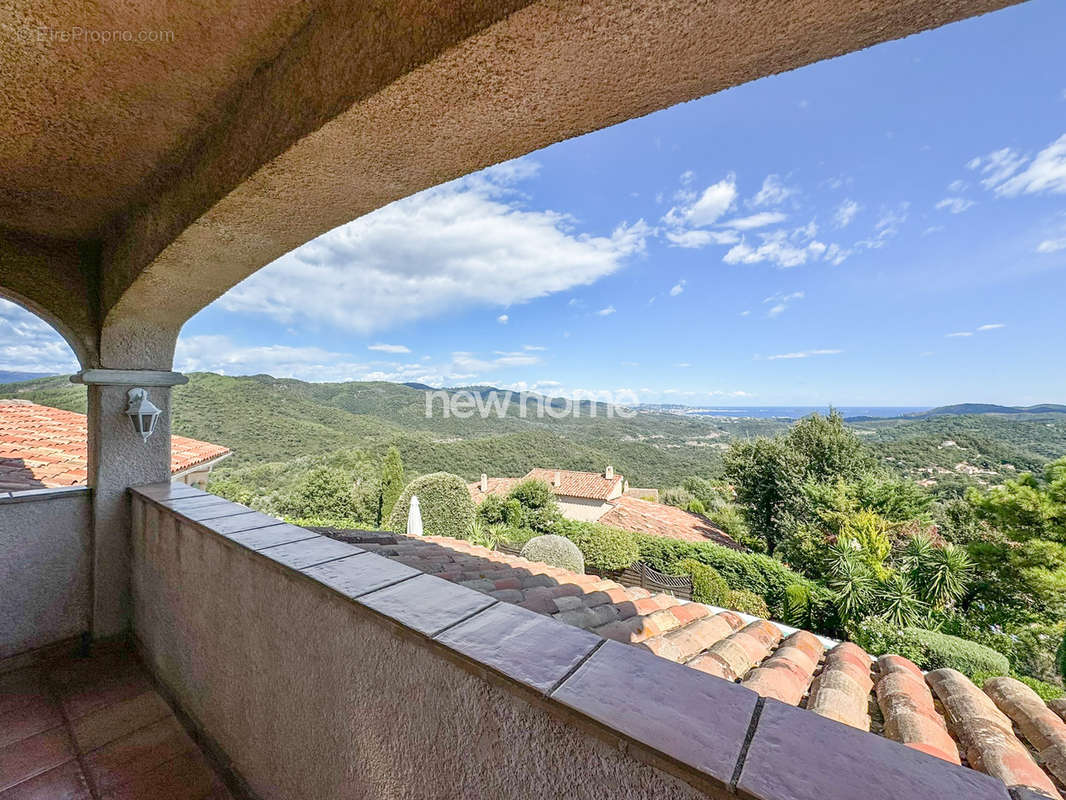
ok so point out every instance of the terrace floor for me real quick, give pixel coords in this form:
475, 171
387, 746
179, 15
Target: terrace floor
96, 729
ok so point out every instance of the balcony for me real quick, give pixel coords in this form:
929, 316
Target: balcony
140, 181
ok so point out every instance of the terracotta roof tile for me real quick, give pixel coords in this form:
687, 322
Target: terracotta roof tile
657, 519
44, 447
795, 669
590, 485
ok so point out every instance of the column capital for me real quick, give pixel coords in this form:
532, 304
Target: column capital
129, 377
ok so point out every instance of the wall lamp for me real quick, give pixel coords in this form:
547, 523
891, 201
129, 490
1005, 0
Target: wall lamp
143, 412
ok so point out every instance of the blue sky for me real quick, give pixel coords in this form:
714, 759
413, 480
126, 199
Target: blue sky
884, 228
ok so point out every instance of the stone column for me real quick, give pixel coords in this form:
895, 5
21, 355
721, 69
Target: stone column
120, 458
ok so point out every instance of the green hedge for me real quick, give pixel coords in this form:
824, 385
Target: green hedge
796, 609
930, 649
707, 585
605, 549
747, 603
1047, 691
750, 572
444, 500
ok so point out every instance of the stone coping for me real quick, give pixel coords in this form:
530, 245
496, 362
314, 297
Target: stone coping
716, 735
40, 495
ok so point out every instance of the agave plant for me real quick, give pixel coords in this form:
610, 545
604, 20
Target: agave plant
943, 575
850, 579
899, 603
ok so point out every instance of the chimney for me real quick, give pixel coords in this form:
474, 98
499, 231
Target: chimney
609, 473
484, 482
557, 481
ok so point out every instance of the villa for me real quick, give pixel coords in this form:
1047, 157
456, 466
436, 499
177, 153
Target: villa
605, 497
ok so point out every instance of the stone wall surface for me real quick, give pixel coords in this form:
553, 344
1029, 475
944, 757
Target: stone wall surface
44, 567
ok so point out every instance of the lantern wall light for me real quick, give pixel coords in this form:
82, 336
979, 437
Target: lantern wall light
142, 412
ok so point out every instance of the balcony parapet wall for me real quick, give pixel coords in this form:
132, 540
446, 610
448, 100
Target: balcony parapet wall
45, 541
322, 670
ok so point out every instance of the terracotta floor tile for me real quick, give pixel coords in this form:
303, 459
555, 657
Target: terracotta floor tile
65, 782
137, 753
118, 719
26, 706
101, 686
187, 777
29, 757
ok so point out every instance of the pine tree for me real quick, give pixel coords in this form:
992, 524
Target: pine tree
391, 484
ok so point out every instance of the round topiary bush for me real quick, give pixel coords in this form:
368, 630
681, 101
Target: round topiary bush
447, 509
555, 550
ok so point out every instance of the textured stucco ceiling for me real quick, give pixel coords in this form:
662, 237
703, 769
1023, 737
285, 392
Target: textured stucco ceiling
193, 163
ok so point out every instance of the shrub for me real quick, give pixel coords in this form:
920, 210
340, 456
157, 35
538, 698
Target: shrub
447, 509
555, 550
391, 483
1047, 691
695, 506
752, 572
707, 585
324, 494
748, 603
796, 607
533, 494
930, 649
605, 549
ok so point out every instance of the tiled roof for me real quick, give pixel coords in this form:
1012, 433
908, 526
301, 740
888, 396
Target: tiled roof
496, 486
590, 485
658, 519
1008, 732
44, 447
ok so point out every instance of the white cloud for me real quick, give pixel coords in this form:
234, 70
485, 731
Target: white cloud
760, 220
716, 199
804, 354
957, 187
217, 353
696, 239
958, 334
1045, 173
956, 205
887, 226
677, 289
533, 347
745, 313
1051, 246
687, 177
772, 193
777, 249
997, 166
781, 302
29, 344
467, 243
991, 327
845, 213
835, 254
605, 312
389, 348
503, 319
683, 365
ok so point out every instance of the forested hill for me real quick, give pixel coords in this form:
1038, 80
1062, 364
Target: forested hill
264, 420
986, 408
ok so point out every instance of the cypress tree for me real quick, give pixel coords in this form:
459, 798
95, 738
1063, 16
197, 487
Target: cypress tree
391, 484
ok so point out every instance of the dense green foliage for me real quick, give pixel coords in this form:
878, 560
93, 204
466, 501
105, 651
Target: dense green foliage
445, 503
606, 549
555, 550
391, 486
707, 585
929, 649
747, 603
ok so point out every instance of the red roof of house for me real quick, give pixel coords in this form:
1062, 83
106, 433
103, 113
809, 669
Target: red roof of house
591, 485
658, 519
43, 447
